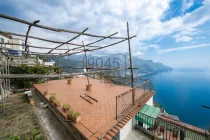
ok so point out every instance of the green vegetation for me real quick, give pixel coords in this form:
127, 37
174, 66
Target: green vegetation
69, 79
37, 137
52, 97
34, 132
1, 105
37, 69
56, 102
34, 135
53, 94
118, 80
75, 114
20, 90
45, 92
69, 113
66, 106
89, 85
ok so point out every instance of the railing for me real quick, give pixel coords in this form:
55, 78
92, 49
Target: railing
161, 129
158, 128
129, 99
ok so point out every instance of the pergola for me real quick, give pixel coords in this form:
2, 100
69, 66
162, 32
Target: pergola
77, 48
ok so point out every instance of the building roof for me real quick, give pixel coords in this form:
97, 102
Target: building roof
96, 118
150, 111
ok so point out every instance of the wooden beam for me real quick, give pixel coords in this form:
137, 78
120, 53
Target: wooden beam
38, 38
26, 40
53, 29
111, 44
88, 45
68, 41
28, 76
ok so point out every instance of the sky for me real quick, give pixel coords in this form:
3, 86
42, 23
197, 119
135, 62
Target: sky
174, 32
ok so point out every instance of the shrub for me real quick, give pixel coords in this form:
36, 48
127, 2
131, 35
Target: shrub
69, 113
27, 138
52, 98
53, 94
45, 92
66, 106
37, 137
76, 114
56, 102
69, 79
89, 85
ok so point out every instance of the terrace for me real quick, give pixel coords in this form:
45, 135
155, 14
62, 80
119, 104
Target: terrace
96, 118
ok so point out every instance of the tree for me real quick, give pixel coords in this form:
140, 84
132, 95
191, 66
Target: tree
25, 69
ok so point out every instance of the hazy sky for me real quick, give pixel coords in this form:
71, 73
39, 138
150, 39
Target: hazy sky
174, 32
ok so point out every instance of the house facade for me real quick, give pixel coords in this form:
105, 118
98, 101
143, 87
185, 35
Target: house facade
15, 50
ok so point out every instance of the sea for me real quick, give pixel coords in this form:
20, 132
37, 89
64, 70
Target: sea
183, 93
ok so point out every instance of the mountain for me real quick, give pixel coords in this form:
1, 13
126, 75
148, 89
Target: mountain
111, 61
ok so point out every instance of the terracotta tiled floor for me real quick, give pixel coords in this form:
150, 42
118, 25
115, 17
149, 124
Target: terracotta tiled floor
96, 117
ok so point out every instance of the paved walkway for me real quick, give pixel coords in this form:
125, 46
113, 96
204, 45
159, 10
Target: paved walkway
137, 135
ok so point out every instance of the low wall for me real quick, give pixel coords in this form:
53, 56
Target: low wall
70, 128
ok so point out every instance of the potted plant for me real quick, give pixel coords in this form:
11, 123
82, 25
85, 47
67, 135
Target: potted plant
69, 115
53, 94
76, 117
56, 103
66, 107
88, 87
45, 93
52, 97
69, 80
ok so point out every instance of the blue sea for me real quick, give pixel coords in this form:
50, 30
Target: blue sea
182, 93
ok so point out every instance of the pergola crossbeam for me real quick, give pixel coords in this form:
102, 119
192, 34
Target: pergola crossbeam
68, 41
38, 38
53, 29
28, 76
92, 43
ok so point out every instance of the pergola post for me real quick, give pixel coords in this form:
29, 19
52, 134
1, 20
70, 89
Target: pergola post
86, 62
131, 68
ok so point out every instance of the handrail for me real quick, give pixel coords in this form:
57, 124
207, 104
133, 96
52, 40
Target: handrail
154, 126
124, 101
132, 109
126, 92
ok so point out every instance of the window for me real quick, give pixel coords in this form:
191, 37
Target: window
23, 47
2, 41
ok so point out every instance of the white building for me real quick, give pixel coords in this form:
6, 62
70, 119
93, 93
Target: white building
5, 39
52, 63
16, 51
21, 47
12, 49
